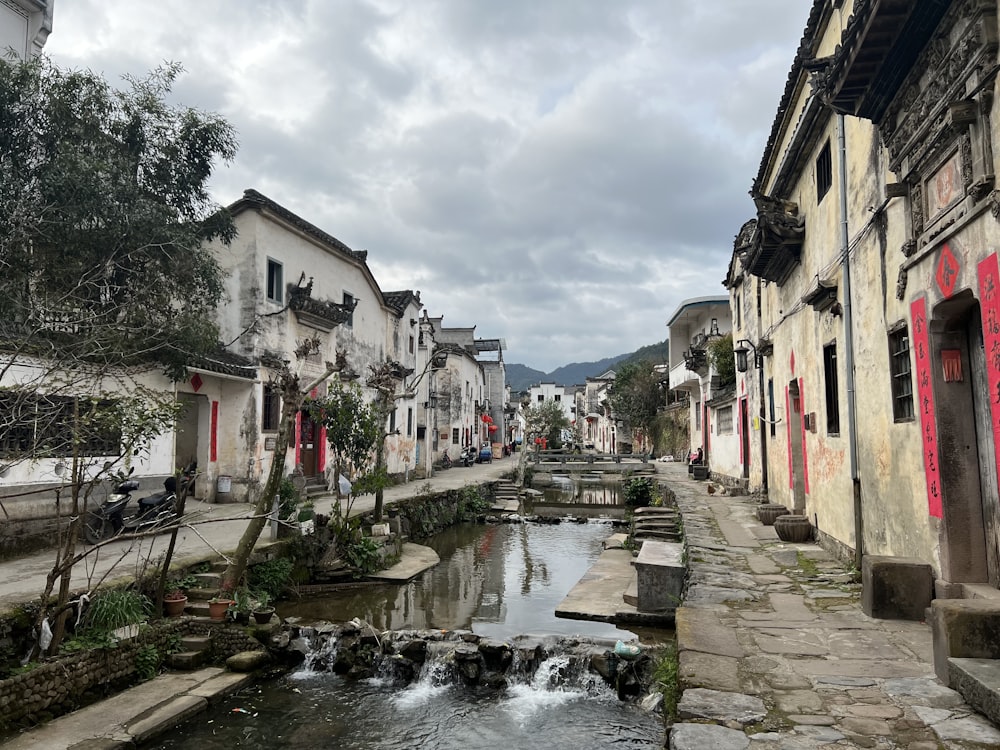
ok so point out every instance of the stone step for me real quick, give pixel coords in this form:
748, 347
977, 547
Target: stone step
978, 681
196, 642
208, 580
197, 608
631, 595
202, 594
187, 660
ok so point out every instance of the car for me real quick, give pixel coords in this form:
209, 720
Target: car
667, 457
485, 455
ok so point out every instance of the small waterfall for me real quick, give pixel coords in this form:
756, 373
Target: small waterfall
319, 659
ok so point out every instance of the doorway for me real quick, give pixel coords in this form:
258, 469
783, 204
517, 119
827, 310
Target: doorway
308, 445
796, 437
745, 438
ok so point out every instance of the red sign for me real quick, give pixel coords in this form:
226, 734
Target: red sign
947, 271
213, 442
196, 382
989, 301
925, 397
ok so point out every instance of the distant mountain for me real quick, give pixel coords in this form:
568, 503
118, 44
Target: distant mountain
522, 377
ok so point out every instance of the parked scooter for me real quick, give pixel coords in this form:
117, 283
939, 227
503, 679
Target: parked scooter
468, 455
110, 519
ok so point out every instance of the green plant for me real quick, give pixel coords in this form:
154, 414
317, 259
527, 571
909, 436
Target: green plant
638, 492
665, 675
271, 576
114, 609
288, 499
263, 601
471, 503
363, 555
243, 601
147, 662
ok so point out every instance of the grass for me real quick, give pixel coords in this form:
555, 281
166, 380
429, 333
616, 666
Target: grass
666, 676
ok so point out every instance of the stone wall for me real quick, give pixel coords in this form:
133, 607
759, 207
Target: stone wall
65, 683
426, 515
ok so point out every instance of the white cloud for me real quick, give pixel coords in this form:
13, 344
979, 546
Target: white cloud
559, 174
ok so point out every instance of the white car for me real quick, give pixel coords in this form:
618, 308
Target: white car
667, 457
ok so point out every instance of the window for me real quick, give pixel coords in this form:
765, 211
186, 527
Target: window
824, 172
899, 368
349, 303
738, 309
832, 403
409, 421
392, 421
270, 409
454, 436
697, 415
275, 282
411, 344
557, 397
541, 398
724, 421
56, 426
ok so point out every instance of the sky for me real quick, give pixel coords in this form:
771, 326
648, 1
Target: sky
561, 174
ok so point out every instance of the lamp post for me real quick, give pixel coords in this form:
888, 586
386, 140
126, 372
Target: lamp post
741, 351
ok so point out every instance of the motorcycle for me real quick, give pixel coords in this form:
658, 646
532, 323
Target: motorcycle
446, 462
468, 456
109, 518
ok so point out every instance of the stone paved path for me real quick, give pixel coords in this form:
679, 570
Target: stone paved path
775, 652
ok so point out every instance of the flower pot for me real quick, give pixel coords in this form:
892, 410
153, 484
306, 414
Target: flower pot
700, 472
217, 608
767, 512
263, 616
793, 528
174, 607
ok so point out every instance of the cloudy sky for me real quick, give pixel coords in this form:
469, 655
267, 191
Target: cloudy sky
558, 173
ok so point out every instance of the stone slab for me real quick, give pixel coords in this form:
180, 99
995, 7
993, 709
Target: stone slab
717, 705
600, 593
702, 630
413, 561
164, 717
896, 588
860, 668
978, 681
964, 628
709, 671
737, 535
700, 736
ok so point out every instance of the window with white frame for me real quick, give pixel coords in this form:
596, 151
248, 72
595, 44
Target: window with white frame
275, 281
724, 421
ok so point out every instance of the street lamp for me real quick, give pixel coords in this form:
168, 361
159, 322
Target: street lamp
741, 352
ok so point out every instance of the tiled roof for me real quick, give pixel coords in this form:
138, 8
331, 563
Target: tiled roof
804, 53
398, 301
252, 199
227, 363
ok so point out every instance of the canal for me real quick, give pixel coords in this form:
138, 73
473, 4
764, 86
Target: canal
498, 581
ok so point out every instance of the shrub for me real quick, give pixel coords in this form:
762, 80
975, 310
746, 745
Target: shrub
271, 576
639, 492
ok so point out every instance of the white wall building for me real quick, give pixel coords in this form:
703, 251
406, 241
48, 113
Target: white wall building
717, 425
25, 26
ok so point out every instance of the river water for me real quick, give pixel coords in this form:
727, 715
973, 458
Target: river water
496, 580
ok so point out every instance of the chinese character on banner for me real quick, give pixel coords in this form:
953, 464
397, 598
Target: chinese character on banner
925, 396
990, 307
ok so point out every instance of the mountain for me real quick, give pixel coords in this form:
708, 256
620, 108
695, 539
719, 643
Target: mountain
522, 377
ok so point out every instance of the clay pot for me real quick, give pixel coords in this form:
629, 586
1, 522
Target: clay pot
263, 616
174, 607
793, 528
767, 512
217, 608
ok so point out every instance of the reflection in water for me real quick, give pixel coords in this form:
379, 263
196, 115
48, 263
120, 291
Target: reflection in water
496, 580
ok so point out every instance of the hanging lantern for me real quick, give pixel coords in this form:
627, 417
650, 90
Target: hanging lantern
538, 441
486, 417
493, 428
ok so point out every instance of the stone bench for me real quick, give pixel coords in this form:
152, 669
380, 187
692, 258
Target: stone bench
660, 574
896, 588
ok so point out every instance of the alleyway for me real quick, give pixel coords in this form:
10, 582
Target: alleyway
772, 636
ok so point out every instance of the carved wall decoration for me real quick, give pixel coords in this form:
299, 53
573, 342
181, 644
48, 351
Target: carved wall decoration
901, 283
994, 200
909, 248
917, 209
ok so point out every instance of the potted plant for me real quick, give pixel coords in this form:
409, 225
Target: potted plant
263, 612
174, 602
219, 605
242, 604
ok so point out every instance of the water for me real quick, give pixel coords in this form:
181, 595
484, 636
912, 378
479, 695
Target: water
495, 580
499, 581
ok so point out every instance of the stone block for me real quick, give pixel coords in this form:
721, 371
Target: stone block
964, 628
978, 680
660, 575
895, 588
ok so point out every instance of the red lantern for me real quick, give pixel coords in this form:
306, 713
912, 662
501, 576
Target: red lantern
486, 417
538, 441
493, 428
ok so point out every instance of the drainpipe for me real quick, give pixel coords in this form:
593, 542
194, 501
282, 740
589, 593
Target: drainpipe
852, 420
763, 409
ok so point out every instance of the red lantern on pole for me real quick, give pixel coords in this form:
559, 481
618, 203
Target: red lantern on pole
486, 417
493, 428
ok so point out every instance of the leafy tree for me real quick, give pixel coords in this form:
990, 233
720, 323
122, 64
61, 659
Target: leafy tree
103, 211
352, 427
546, 420
720, 355
636, 396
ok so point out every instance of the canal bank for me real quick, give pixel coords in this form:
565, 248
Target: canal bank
775, 651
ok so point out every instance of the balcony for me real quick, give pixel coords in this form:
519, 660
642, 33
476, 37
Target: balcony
683, 379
